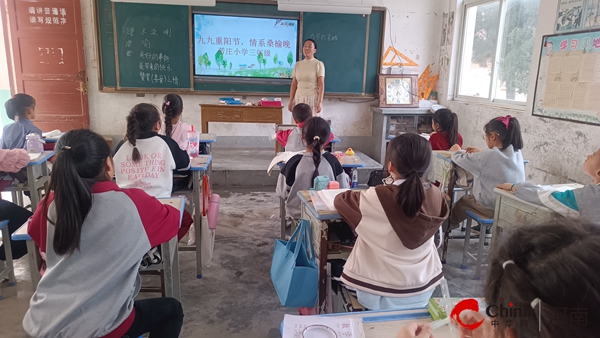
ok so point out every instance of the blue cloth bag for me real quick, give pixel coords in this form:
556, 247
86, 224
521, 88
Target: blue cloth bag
294, 271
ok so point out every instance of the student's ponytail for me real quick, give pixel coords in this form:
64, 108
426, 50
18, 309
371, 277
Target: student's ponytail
410, 154
315, 133
18, 105
172, 108
141, 120
453, 129
508, 129
80, 162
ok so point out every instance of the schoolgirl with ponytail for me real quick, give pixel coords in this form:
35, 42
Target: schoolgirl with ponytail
21, 109
173, 126
94, 236
445, 130
394, 263
502, 162
146, 160
301, 170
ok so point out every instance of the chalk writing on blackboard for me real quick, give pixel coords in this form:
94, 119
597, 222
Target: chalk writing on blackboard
323, 37
47, 15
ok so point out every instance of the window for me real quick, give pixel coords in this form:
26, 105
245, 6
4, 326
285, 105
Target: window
497, 49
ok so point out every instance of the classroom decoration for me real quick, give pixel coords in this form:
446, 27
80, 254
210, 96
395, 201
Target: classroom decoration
294, 270
348, 44
398, 90
397, 60
569, 15
426, 84
568, 80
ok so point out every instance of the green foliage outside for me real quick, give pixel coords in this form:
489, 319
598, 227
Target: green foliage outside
517, 45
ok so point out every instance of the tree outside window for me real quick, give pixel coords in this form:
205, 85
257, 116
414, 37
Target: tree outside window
496, 56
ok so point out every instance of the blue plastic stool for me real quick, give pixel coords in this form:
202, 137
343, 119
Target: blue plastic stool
484, 223
9, 271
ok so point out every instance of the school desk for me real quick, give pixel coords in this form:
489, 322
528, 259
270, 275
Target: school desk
319, 223
171, 266
37, 178
350, 162
239, 114
198, 168
384, 323
511, 211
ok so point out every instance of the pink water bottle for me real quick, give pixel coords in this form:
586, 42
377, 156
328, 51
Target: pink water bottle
213, 211
193, 142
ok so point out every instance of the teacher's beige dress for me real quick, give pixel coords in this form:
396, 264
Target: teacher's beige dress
306, 73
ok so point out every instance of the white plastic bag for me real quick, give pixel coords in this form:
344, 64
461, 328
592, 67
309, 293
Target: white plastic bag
208, 243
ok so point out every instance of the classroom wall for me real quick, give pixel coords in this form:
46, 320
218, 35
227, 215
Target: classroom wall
4, 82
556, 149
412, 25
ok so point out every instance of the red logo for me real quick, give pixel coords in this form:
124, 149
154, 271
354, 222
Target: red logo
467, 304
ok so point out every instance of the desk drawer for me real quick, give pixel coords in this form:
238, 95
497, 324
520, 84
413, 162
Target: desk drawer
224, 116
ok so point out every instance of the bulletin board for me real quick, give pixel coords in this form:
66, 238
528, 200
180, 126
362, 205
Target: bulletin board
568, 80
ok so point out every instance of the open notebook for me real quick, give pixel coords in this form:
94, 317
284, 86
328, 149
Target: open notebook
323, 199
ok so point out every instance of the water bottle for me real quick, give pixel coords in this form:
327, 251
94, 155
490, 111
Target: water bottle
193, 142
355, 178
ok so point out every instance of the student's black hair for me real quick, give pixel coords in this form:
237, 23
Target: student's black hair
410, 154
313, 41
141, 119
315, 133
79, 163
18, 105
172, 107
448, 122
509, 136
556, 263
301, 112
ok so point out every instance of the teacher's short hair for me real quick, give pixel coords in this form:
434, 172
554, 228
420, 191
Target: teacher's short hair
301, 112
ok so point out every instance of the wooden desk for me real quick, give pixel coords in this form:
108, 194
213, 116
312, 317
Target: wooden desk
171, 265
239, 114
511, 211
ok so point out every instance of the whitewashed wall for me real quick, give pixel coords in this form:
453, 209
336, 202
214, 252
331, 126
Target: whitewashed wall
556, 149
413, 24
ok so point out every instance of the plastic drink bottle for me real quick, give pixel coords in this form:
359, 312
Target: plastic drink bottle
193, 142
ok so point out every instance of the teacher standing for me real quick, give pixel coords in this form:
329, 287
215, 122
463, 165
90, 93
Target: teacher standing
308, 80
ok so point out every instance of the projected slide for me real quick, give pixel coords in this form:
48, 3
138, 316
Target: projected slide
234, 46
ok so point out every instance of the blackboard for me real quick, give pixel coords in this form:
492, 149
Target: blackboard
153, 46
345, 42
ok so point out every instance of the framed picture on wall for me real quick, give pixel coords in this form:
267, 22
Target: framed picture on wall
398, 91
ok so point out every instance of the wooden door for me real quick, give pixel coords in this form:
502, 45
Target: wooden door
46, 55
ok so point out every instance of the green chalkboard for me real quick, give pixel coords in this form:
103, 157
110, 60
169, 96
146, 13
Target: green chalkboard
153, 46
340, 42
341, 38
106, 40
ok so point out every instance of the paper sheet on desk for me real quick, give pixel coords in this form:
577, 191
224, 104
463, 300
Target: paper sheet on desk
344, 327
34, 156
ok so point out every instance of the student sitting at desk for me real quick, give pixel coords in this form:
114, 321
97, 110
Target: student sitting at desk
94, 235
395, 263
583, 202
21, 109
301, 170
291, 139
146, 160
445, 130
503, 162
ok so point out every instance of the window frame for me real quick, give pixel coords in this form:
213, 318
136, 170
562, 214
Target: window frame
491, 100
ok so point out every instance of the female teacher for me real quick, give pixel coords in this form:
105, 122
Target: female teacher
308, 80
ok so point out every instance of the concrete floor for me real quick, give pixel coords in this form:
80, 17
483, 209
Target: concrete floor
235, 298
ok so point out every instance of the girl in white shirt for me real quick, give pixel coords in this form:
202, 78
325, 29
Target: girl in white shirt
174, 127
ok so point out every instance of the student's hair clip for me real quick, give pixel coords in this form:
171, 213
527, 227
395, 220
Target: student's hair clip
506, 263
316, 138
505, 120
168, 103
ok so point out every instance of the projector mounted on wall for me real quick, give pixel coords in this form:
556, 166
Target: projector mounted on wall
325, 6
173, 2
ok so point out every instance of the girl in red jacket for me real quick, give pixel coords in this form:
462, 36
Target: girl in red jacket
445, 130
